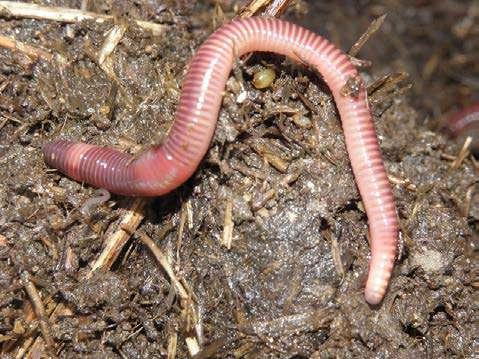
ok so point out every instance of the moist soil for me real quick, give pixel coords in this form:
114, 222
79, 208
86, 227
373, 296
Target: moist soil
291, 282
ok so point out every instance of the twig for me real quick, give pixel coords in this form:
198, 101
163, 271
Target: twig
38, 308
336, 255
228, 225
181, 229
165, 264
32, 52
113, 38
172, 345
114, 243
270, 8
372, 28
463, 153
192, 345
33, 11
467, 205
402, 182
3, 241
276, 8
38, 341
186, 302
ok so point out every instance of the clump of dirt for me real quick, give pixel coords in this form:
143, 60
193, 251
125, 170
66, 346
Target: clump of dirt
290, 284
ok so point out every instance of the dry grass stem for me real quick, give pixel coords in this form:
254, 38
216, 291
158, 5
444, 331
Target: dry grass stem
32, 52
402, 182
165, 264
228, 225
114, 243
3, 241
463, 153
370, 31
468, 201
192, 345
172, 345
113, 38
34, 11
336, 255
38, 308
181, 229
265, 8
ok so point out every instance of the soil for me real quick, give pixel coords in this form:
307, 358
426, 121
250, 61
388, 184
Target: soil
291, 285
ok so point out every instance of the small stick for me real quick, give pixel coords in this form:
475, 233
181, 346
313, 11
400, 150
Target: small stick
402, 182
38, 307
467, 205
3, 241
113, 38
372, 28
172, 345
114, 243
32, 52
463, 153
228, 225
336, 255
33, 11
192, 345
164, 262
276, 8
181, 228
271, 8
191, 342
252, 8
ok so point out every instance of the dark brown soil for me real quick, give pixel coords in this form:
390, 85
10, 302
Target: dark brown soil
292, 283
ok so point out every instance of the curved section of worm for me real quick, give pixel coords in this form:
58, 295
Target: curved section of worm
464, 123
165, 167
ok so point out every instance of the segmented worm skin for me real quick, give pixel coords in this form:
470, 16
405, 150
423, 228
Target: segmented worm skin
165, 167
463, 120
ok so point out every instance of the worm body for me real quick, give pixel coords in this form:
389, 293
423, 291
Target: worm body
163, 168
464, 123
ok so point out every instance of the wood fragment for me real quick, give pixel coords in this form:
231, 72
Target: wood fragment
265, 8
213, 348
3, 241
61, 14
253, 7
228, 225
165, 264
114, 243
387, 83
463, 153
172, 345
38, 308
181, 230
34, 53
336, 255
32, 346
402, 182
276, 8
113, 38
370, 31
469, 195
193, 346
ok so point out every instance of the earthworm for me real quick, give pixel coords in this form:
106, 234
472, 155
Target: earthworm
164, 167
464, 122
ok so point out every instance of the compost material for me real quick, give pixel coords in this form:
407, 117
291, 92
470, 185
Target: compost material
264, 251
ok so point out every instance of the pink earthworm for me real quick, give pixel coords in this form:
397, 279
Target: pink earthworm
464, 122
164, 167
